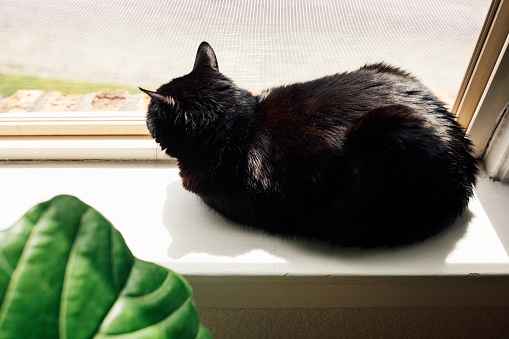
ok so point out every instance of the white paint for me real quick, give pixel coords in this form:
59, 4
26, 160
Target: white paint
80, 148
481, 244
497, 153
253, 257
163, 222
493, 101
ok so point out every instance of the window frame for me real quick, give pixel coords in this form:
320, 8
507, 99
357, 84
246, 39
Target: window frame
477, 115
100, 123
483, 60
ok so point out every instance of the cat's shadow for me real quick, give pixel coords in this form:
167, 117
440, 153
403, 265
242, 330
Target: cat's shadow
196, 228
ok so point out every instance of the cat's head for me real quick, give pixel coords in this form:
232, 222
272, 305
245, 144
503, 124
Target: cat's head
195, 109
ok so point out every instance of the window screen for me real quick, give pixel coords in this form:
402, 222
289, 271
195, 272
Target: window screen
82, 47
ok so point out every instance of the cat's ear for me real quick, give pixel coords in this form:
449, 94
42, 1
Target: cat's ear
205, 57
162, 99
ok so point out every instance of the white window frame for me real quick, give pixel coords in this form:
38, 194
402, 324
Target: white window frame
476, 112
73, 123
124, 136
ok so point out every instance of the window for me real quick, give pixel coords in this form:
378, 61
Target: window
82, 48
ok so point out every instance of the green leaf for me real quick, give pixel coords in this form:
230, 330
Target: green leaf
65, 272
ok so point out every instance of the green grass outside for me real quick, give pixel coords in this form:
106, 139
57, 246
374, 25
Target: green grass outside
11, 83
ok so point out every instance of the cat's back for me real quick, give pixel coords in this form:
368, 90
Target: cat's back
326, 120
318, 113
307, 123
344, 96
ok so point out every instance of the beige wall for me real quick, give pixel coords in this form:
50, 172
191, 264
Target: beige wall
358, 323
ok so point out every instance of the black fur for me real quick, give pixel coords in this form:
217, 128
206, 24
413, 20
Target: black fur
364, 158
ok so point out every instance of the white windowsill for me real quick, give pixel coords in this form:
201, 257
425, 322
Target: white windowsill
230, 266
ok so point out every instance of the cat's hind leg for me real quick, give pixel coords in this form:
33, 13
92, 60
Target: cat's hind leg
400, 178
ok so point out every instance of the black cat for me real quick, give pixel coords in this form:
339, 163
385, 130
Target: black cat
363, 158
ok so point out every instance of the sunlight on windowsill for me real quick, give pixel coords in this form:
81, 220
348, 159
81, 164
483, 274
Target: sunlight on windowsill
163, 223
